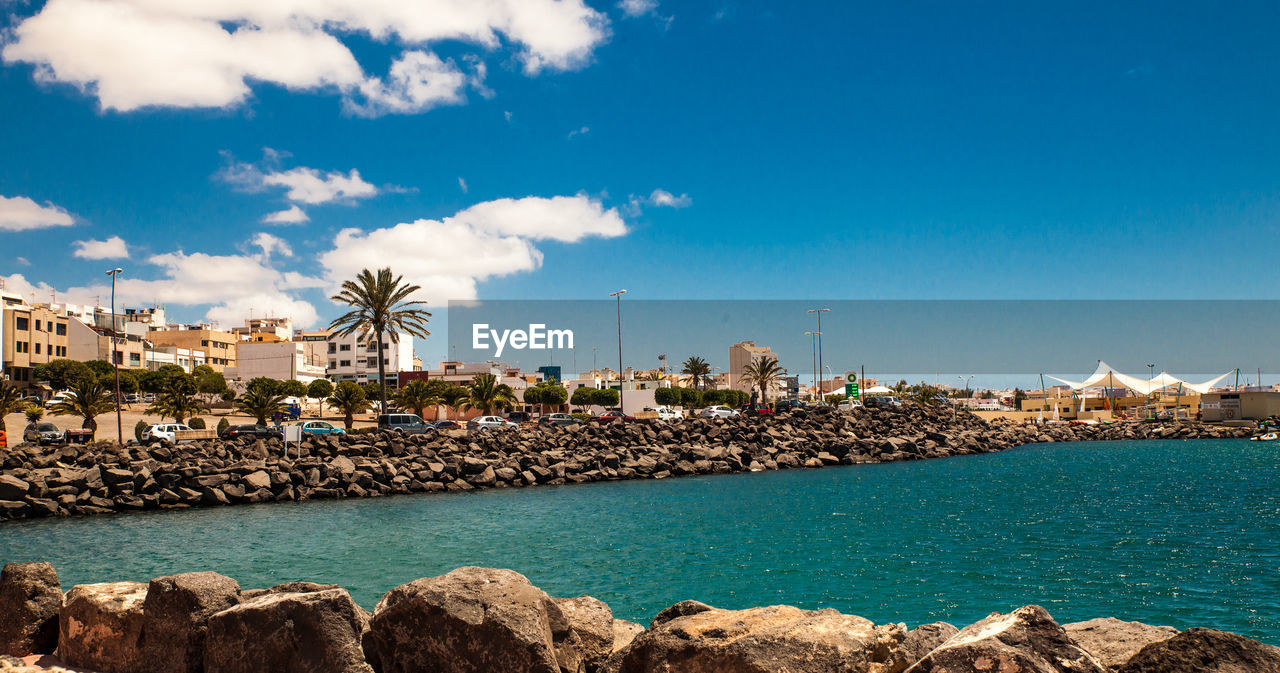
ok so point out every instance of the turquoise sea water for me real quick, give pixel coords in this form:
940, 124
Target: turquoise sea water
1177, 533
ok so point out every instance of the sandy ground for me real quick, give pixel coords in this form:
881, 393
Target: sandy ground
131, 414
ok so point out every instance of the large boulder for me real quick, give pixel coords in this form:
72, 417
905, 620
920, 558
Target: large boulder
1113, 642
470, 620
1026, 640
1205, 651
288, 632
624, 632
101, 627
764, 640
176, 615
926, 638
681, 609
30, 598
592, 620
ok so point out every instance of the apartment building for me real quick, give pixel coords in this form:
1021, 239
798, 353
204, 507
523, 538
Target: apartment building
265, 329
219, 347
31, 336
742, 354
354, 358
279, 360
94, 341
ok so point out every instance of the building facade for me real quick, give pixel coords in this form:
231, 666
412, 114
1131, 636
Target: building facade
741, 355
354, 358
219, 347
279, 360
31, 336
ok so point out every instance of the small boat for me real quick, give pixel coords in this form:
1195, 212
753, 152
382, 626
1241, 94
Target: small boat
1269, 437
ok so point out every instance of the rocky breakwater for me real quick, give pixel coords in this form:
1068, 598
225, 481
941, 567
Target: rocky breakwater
481, 620
101, 478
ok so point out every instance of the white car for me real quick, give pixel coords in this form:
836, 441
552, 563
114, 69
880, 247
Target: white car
163, 433
849, 405
718, 411
666, 413
489, 423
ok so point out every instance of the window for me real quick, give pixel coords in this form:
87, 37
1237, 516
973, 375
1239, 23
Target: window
61, 329
333, 364
204, 342
37, 325
135, 359
118, 357
20, 347
333, 348
385, 361
21, 323
344, 347
37, 344
346, 363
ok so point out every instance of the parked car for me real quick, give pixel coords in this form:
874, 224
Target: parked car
882, 401
665, 413
489, 423
718, 411
253, 431
611, 416
519, 416
790, 405
558, 419
43, 433
757, 409
448, 425
404, 424
321, 428
132, 398
849, 404
57, 397
163, 433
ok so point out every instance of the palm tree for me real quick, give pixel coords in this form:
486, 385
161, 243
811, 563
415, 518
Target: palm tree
762, 373
417, 395
260, 403
487, 394
698, 369
88, 399
34, 413
349, 399
380, 307
178, 399
11, 401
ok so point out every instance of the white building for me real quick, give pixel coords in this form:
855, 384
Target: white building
279, 360
352, 358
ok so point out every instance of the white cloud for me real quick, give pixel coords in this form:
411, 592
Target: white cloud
462, 184
637, 7
580, 132
112, 248
19, 213
291, 215
302, 184
272, 244
203, 53
663, 199
448, 257
23, 261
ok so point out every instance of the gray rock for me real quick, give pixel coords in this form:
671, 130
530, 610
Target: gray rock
30, 599
176, 615
310, 632
1114, 642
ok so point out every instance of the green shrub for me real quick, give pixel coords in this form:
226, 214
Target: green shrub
222, 426
137, 430
196, 424
581, 416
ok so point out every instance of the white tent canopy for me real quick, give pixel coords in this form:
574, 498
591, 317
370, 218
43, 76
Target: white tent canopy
1105, 375
877, 390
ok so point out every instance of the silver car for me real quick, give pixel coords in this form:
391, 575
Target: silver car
43, 433
490, 423
719, 411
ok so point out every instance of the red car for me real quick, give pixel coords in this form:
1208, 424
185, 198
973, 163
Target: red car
757, 409
610, 416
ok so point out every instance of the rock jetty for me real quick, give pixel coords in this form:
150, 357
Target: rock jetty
482, 620
104, 477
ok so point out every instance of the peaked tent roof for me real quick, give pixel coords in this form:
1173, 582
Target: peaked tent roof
1105, 375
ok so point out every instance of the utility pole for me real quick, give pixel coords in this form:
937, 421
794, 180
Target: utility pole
819, 312
621, 405
813, 345
114, 363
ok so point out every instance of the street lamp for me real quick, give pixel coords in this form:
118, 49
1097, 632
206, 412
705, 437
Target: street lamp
813, 345
622, 407
966, 381
818, 312
114, 363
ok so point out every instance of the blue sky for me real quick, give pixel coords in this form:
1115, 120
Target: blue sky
698, 150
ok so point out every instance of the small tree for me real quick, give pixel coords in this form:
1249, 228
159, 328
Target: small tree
416, 396
209, 383
293, 388
139, 427
88, 399
698, 370
266, 385
260, 403
34, 413
196, 424
319, 389
607, 397
222, 426
349, 399
692, 398
62, 373
583, 397
667, 397
762, 373
11, 401
177, 398
486, 394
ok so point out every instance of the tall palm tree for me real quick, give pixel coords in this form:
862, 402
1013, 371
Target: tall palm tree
380, 306
698, 369
177, 398
487, 394
349, 399
11, 401
88, 399
762, 373
417, 395
260, 403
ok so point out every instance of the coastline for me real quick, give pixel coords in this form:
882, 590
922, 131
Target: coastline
38, 482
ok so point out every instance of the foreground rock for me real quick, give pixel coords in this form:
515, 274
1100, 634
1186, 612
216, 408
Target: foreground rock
593, 622
289, 632
926, 638
469, 620
1026, 640
764, 640
101, 627
1113, 642
1205, 651
30, 598
176, 615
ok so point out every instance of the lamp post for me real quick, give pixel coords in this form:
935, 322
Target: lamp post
622, 407
114, 364
818, 312
813, 346
966, 381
